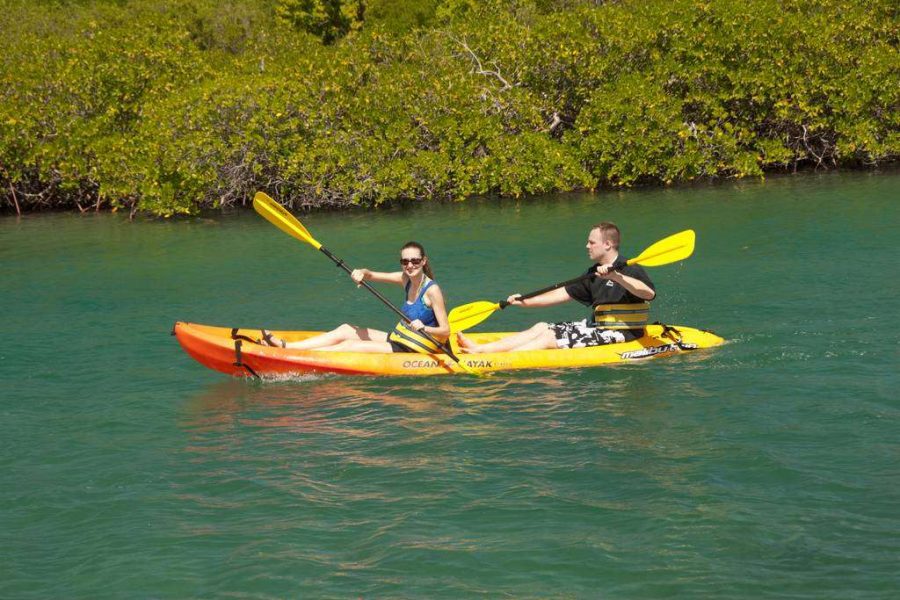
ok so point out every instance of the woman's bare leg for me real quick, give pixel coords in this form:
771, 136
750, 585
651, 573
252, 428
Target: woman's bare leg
340, 334
371, 346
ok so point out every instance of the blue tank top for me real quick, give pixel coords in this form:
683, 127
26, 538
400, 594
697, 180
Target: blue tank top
417, 309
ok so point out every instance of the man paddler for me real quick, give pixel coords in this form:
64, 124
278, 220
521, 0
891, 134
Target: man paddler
619, 296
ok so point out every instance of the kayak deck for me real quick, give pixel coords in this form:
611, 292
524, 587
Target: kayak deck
236, 351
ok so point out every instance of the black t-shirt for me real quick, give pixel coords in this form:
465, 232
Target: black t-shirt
596, 290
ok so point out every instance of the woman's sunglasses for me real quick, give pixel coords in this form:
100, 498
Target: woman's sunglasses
411, 261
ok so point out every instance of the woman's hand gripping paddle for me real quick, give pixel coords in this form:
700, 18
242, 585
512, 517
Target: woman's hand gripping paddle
275, 214
671, 249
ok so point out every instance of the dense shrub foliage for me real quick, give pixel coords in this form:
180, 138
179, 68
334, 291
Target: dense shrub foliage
167, 107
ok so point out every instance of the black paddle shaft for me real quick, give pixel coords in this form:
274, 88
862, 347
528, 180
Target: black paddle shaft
619, 263
386, 302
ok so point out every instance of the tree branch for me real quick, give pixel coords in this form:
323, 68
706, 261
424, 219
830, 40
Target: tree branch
480, 69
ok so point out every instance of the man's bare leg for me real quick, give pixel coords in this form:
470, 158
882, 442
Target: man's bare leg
536, 337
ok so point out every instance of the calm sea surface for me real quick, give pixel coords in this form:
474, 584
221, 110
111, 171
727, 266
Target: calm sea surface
767, 468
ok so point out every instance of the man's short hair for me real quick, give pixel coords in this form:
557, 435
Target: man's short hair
610, 232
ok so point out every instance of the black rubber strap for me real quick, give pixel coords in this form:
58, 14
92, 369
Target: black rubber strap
236, 336
237, 356
673, 334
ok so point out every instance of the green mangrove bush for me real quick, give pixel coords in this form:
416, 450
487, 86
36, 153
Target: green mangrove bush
172, 107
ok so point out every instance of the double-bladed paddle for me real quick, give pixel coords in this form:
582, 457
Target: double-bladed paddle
276, 214
671, 249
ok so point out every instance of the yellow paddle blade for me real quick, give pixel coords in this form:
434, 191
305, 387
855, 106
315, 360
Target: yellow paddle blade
673, 248
469, 315
275, 214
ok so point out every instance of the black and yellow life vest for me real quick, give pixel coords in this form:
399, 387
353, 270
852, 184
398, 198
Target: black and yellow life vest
413, 340
622, 316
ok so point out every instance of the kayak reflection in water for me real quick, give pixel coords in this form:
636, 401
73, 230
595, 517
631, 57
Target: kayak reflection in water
424, 306
619, 296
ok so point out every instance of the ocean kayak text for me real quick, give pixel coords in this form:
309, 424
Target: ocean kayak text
427, 364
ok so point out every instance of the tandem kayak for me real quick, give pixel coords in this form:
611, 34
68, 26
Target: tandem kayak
235, 351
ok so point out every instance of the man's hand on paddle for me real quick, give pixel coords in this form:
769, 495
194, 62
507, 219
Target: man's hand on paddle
515, 300
605, 271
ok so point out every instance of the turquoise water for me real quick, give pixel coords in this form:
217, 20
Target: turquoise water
764, 468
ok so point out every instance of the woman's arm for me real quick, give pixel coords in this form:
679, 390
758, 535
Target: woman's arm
360, 275
436, 299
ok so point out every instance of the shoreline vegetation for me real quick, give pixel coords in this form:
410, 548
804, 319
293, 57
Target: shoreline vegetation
168, 108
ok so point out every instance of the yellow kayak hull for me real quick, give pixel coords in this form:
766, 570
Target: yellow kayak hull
235, 351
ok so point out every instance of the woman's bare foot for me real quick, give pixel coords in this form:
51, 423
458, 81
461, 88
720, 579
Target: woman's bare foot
270, 340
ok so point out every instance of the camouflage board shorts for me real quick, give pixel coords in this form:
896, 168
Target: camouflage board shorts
581, 334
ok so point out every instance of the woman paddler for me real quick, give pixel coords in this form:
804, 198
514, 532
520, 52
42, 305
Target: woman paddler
424, 306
